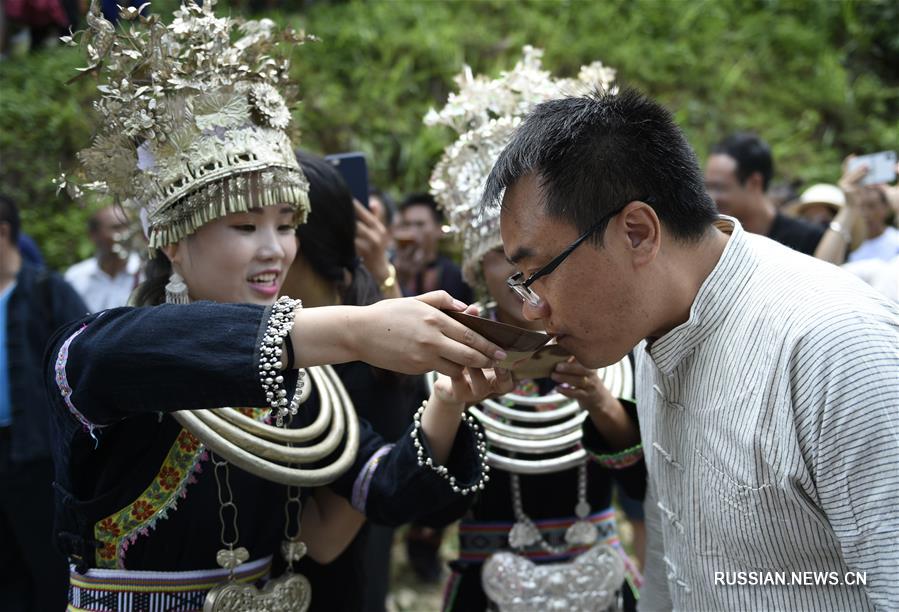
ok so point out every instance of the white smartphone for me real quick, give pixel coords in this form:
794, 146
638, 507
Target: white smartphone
881, 167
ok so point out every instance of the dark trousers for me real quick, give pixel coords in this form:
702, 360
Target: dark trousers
34, 575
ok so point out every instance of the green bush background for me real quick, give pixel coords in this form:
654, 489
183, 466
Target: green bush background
817, 79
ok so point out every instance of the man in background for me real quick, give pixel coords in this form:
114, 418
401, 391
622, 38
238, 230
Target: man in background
108, 278
737, 176
419, 265
33, 304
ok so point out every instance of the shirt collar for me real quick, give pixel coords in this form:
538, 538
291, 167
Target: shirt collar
716, 297
132, 267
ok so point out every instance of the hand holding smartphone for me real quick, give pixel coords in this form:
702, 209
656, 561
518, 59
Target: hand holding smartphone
881, 167
354, 170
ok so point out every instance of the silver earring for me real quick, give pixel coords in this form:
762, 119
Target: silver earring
176, 290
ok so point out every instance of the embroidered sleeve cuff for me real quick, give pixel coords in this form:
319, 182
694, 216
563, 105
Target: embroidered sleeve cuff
600, 451
617, 461
62, 383
363, 481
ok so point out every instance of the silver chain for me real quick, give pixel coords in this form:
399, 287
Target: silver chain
226, 501
521, 517
293, 497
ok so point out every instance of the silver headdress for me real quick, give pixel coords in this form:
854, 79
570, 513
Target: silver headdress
193, 124
485, 113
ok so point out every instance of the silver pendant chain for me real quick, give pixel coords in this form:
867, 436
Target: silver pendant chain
525, 532
228, 557
292, 549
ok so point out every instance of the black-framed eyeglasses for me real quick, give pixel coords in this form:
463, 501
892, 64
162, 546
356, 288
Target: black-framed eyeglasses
522, 286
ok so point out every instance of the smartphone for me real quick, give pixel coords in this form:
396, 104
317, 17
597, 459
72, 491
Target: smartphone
354, 170
881, 167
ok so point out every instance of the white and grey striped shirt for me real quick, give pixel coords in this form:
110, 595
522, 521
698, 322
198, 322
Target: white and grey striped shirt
770, 423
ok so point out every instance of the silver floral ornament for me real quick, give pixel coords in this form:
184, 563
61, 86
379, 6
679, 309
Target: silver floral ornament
268, 106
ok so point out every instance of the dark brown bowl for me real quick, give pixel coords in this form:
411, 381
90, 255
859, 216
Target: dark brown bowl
518, 342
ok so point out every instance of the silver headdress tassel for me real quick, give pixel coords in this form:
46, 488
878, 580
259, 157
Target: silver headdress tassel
484, 113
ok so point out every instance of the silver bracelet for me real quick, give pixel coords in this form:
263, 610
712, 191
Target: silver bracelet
280, 323
480, 444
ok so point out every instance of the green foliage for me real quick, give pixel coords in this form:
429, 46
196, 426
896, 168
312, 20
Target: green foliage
43, 123
817, 78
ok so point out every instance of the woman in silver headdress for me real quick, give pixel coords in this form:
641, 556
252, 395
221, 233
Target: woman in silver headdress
156, 481
542, 534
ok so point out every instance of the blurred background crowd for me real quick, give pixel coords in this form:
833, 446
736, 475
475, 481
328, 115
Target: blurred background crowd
776, 98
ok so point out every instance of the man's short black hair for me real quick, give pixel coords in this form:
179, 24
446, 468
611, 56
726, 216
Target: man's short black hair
9, 213
596, 153
751, 153
423, 199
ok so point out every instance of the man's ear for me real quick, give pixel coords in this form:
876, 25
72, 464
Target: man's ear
755, 182
642, 230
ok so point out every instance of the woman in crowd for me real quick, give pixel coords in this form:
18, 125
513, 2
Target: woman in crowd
144, 506
327, 271
548, 501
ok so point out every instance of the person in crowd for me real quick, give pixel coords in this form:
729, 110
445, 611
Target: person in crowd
419, 264
737, 176
373, 244
759, 371
327, 272
29, 249
818, 204
384, 208
144, 483
879, 218
43, 19
382, 205
107, 279
33, 303
420, 268
863, 207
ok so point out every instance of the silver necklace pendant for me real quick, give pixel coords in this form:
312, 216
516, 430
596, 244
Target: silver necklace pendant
524, 533
288, 593
229, 558
582, 509
293, 551
581, 533
589, 583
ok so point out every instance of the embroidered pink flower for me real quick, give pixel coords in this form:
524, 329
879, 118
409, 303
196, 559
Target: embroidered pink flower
169, 478
142, 510
187, 442
109, 526
107, 552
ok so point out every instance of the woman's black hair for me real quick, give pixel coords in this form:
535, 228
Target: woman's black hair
151, 292
327, 239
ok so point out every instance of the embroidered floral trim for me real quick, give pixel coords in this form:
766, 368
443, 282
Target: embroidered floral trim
63, 383
363, 480
617, 461
118, 531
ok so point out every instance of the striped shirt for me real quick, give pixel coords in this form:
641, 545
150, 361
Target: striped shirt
770, 423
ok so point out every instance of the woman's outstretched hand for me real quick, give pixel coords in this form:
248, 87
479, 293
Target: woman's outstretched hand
408, 335
412, 336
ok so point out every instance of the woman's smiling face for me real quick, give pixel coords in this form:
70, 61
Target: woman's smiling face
241, 257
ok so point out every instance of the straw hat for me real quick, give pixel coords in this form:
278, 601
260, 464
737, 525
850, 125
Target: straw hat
820, 193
